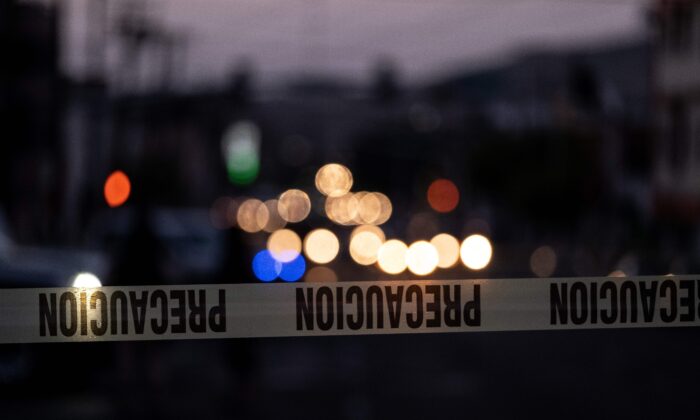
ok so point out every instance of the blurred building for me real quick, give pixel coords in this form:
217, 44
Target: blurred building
677, 96
30, 103
548, 88
600, 95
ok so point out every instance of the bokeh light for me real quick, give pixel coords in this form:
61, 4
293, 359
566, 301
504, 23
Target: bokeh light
617, 273
364, 247
334, 180
424, 118
223, 212
321, 274
447, 247
629, 264
274, 219
422, 225
443, 195
241, 149
392, 256
369, 228
86, 280
357, 220
262, 216
358, 208
321, 246
249, 214
476, 252
342, 210
422, 258
373, 208
387, 209
294, 269
117, 189
543, 261
265, 267
369, 207
294, 205
284, 245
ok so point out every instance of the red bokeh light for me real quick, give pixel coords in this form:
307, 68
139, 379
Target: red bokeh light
117, 189
443, 195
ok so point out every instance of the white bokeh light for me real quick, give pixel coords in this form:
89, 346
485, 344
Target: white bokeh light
85, 279
476, 252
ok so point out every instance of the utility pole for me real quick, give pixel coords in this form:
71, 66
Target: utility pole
96, 39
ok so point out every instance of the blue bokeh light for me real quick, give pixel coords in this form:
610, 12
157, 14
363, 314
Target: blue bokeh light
265, 267
293, 270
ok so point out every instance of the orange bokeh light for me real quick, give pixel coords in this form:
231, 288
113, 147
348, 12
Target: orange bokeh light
443, 195
117, 189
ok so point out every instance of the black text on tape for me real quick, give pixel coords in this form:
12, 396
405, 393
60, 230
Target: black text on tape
345, 308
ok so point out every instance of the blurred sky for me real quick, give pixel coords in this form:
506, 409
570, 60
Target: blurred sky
426, 37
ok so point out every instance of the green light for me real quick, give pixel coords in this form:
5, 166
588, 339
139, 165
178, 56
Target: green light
241, 150
243, 170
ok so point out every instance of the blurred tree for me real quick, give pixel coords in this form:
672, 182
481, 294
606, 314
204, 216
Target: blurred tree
385, 81
241, 83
